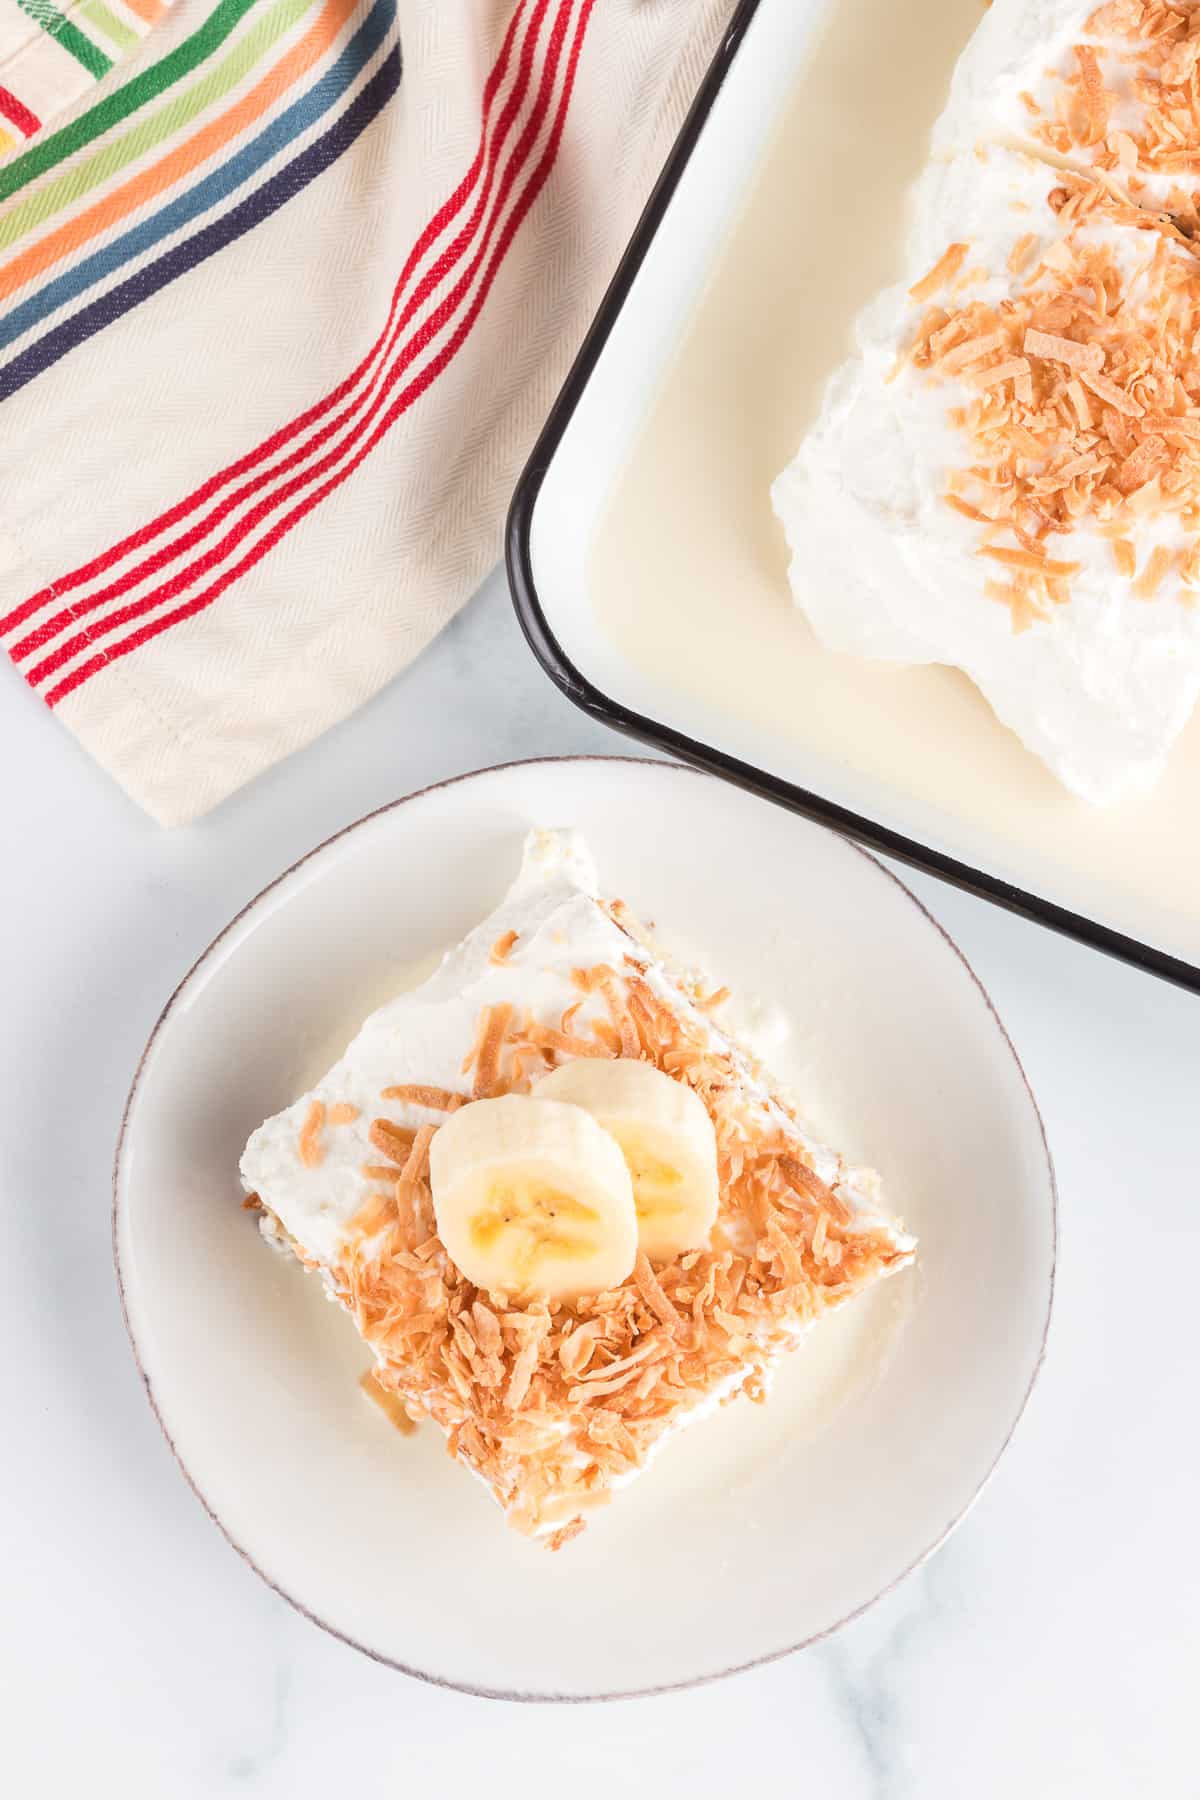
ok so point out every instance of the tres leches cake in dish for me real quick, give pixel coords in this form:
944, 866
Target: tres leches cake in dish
1006, 478
566, 1211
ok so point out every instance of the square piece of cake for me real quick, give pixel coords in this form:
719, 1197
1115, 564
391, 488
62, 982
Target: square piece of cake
554, 1397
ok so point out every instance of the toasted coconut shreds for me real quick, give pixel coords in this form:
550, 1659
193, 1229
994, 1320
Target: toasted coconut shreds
618, 1008
1107, 390
712, 1002
1053, 348
544, 1037
549, 1402
1023, 607
342, 1113
1125, 557
417, 1094
503, 946
1095, 97
1021, 251
1077, 395
379, 1171
803, 1180
653, 1293
472, 1057
522, 1374
1157, 56
389, 1404
1033, 562
565, 1533
311, 1149
1157, 564
418, 1157
942, 272
487, 1065
996, 374
966, 509
376, 1212
393, 1140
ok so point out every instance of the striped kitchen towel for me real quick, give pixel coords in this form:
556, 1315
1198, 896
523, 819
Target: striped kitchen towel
51, 55
284, 299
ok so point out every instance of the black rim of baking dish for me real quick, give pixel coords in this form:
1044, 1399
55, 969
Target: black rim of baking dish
589, 698
178, 998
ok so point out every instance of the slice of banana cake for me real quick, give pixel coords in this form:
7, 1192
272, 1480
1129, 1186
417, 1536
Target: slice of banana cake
568, 1213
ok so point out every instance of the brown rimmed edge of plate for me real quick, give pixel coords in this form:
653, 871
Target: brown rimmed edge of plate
589, 698
444, 1681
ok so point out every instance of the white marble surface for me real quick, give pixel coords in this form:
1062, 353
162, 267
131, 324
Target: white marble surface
1051, 1649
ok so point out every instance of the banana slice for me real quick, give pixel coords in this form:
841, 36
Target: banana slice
533, 1197
668, 1141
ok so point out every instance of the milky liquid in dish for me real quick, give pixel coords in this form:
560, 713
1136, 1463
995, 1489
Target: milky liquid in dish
688, 569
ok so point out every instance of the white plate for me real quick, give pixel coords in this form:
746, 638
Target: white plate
762, 1528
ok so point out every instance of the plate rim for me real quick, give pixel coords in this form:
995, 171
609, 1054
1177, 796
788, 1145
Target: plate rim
536, 1697
583, 693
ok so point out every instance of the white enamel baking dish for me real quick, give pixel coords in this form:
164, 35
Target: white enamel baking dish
649, 574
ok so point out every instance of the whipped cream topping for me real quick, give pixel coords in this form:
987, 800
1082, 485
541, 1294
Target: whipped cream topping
1100, 683
422, 1038
1019, 80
